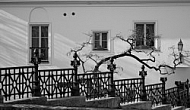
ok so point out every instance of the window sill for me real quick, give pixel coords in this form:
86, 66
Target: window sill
102, 52
42, 63
146, 48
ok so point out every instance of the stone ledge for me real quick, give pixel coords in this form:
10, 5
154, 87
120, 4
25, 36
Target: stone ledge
74, 101
142, 105
162, 107
32, 100
109, 102
179, 108
42, 107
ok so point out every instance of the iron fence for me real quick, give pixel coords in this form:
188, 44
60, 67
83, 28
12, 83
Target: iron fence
183, 98
19, 82
154, 93
94, 85
172, 96
16, 82
178, 95
56, 83
128, 90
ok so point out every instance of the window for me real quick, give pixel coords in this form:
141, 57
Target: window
100, 41
39, 41
145, 35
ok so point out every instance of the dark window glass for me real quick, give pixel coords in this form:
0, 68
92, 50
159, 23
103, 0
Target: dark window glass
144, 35
35, 31
150, 35
100, 41
140, 34
44, 31
40, 41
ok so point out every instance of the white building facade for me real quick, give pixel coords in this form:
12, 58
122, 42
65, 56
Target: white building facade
57, 26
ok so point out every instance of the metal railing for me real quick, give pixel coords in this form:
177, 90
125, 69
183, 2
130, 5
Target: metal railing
16, 82
22, 82
172, 96
128, 90
94, 85
155, 93
56, 83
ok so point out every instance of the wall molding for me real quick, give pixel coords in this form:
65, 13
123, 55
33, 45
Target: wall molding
97, 2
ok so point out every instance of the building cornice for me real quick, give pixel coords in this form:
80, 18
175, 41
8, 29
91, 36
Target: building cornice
94, 2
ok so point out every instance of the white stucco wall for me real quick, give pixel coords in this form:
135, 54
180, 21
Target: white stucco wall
173, 23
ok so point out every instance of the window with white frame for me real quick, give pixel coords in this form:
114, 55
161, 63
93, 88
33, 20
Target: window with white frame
145, 35
39, 41
100, 40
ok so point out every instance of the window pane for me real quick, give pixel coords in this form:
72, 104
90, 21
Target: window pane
140, 34
104, 36
150, 34
44, 31
96, 36
35, 31
35, 42
97, 44
44, 53
44, 49
44, 42
97, 40
104, 44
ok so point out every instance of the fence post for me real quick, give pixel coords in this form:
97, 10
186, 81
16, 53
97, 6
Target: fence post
36, 60
178, 84
187, 87
163, 79
188, 98
75, 63
112, 67
143, 73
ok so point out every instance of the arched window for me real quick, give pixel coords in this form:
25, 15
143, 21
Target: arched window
39, 34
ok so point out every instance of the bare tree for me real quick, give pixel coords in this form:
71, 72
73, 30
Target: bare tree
126, 53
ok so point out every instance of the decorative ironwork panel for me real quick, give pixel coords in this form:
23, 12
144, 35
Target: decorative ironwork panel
56, 83
183, 98
128, 90
94, 85
172, 96
16, 82
154, 93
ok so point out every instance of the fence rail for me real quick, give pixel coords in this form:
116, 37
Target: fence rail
16, 82
20, 82
172, 96
56, 83
94, 85
155, 93
128, 90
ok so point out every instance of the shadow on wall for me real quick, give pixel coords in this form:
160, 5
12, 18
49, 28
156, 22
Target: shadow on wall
61, 46
13, 40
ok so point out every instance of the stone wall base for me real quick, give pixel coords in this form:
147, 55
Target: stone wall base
163, 107
74, 101
110, 102
142, 105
